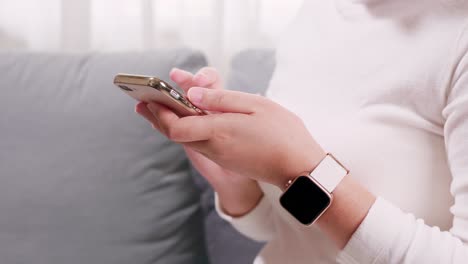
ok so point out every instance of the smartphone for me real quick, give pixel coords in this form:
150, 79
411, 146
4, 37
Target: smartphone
152, 89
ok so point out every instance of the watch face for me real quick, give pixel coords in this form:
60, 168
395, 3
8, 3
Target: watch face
305, 200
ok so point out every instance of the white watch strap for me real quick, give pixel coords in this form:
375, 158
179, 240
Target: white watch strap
329, 173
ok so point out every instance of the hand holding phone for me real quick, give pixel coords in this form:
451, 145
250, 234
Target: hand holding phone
152, 89
227, 184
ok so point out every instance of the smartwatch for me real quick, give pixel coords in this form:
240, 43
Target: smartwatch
308, 197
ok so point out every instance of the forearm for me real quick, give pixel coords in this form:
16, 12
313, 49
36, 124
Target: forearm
351, 202
389, 235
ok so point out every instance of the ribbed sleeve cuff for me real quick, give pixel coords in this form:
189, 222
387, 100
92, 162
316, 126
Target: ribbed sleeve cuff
258, 213
374, 236
256, 224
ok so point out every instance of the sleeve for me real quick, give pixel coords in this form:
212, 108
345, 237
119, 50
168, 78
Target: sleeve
405, 239
258, 224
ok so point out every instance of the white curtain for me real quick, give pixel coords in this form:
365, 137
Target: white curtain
219, 28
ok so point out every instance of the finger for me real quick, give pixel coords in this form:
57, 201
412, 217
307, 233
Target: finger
182, 78
207, 77
192, 128
225, 101
161, 112
142, 109
193, 153
186, 129
198, 147
205, 149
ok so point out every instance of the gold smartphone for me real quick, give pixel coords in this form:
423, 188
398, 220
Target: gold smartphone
152, 89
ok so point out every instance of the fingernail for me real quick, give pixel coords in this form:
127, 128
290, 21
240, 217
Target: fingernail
173, 74
178, 75
173, 70
195, 95
139, 106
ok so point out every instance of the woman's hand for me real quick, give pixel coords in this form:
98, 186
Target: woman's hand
249, 135
238, 195
208, 78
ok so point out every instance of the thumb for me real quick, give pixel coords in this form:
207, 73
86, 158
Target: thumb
224, 100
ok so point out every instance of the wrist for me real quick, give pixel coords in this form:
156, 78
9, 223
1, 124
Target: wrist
239, 198
231, 182
303, 165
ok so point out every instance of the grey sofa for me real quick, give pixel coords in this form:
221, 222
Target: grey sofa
83, 179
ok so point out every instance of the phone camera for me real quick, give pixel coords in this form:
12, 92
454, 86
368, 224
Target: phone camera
125, 88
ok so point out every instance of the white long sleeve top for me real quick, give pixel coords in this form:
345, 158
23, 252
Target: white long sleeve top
383, 85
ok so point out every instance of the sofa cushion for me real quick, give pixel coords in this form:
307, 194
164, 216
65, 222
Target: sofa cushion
83, 179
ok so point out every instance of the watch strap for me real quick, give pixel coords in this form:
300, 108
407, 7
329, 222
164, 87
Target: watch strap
329, 172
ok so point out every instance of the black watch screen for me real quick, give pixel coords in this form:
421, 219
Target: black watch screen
305, 200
